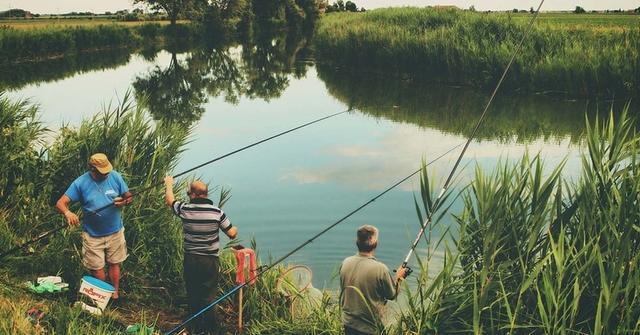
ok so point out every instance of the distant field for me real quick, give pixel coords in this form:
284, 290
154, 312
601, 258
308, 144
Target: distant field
595, 21
46, 23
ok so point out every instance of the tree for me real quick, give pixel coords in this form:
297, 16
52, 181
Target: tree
637, 10
531, 10
350, 6
579, 10
173, 8
472, 8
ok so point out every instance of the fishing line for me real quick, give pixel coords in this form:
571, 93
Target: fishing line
224, 156
446, 185
147, 188
281, 259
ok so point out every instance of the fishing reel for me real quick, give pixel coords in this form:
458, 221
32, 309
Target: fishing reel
407, 272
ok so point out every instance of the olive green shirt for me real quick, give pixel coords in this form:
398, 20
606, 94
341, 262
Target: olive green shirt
365, 287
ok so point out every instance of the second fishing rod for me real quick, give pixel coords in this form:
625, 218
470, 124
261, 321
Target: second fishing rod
152, 186
305, 243
436, 204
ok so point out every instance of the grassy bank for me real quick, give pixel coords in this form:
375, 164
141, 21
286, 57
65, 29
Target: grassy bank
37, 44
536, 253
23, 24
473, 48
540, 254
36, 171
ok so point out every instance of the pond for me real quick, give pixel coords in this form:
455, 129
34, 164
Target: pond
286, 190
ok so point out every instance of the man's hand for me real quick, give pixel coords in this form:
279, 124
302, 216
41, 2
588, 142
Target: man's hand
120, 202
168, 181
401, 273
72, 218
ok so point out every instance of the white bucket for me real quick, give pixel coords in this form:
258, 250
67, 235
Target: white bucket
98, 291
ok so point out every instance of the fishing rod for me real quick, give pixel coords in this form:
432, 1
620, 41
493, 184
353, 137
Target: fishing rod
447, 183
296, 249
147, 188
224, 156
34, 240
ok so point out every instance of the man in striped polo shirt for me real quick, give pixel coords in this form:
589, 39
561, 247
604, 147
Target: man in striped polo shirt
201, 223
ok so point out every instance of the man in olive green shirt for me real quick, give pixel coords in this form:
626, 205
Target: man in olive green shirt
365, 286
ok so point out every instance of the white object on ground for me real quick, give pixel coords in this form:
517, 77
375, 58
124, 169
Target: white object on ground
49, 279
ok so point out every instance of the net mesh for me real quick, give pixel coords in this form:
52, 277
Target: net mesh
294, 280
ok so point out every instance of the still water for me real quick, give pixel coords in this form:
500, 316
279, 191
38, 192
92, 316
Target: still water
287, 189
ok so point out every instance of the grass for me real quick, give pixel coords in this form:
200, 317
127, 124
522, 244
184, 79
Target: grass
597, 21
21, 45
540, 254
473, 48
69, 23
144, 152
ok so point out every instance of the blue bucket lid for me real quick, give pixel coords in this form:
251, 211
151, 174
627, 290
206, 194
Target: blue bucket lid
99, 283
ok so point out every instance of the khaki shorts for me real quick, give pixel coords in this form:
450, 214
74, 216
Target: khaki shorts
95, 250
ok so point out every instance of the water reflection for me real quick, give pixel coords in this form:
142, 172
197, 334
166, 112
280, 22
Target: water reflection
16, 76
455, 110
257, 69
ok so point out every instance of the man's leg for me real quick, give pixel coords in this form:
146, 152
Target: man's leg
191, 274
93, 255
212, 266
116, 253
99, 274
114, 278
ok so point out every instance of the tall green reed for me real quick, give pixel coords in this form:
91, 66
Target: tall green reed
537, 253
473, 48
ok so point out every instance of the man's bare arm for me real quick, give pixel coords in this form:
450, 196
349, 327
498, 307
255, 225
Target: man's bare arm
63, 206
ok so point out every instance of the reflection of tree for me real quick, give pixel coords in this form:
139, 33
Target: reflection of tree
257, 70
175, 94
456, 110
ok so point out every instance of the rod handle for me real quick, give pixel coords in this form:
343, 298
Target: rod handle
408, 272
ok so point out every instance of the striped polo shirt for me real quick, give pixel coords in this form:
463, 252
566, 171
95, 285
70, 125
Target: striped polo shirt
201, 222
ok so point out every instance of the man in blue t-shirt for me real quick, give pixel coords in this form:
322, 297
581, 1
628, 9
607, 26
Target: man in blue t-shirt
103, 232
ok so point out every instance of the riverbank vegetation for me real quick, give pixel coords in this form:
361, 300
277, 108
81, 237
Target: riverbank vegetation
37, 167
214, 21
534, 250
473, 48
539, 253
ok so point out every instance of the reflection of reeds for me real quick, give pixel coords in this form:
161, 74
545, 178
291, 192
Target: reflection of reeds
540, 255
34, 44
473, 48
455, 110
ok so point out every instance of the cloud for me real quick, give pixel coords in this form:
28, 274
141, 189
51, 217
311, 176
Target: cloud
383, 161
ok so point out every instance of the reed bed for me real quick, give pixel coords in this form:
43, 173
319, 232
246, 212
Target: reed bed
18, 45
36, 172
540, 254
473, 48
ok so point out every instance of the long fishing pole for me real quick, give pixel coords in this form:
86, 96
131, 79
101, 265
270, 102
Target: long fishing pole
95, 212
446, 185
296, 249
34, 240
224, 156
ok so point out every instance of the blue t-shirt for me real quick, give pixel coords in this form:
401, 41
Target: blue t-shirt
94, 194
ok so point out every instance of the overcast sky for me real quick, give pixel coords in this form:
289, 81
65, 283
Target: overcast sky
100, 6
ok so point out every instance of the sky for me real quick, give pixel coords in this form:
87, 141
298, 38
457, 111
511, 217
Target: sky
100, 6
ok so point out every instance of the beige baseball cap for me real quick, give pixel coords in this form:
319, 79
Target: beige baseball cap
101, 163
